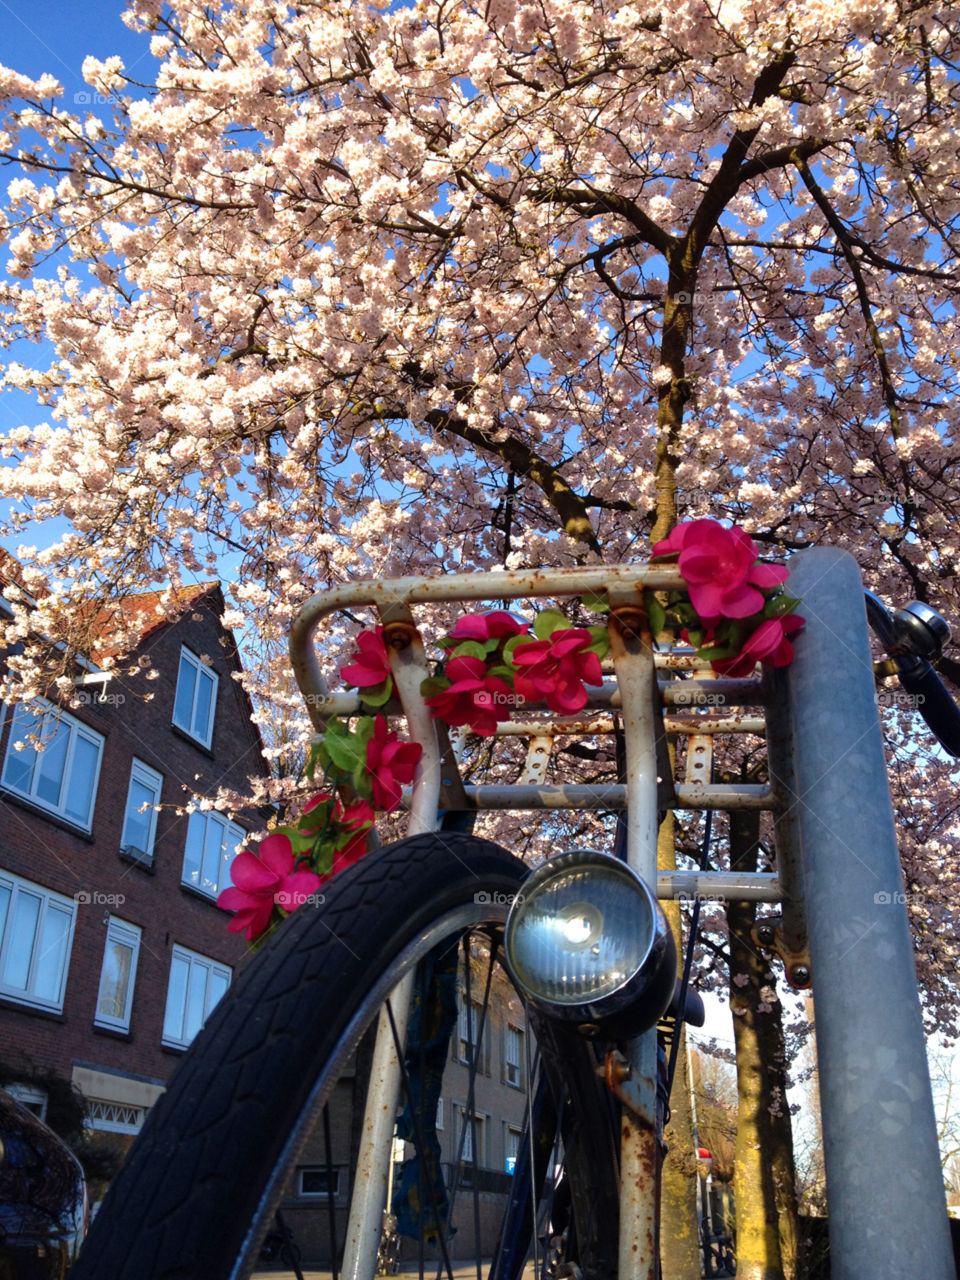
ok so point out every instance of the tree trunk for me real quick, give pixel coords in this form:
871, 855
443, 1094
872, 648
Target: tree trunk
759, 1255
679, 1240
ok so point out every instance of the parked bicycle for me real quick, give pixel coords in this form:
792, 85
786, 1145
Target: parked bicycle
585, 946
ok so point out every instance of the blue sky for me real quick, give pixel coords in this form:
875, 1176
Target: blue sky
56, 36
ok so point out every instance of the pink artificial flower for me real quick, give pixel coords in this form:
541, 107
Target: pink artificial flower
372, 666
769, 643
554, 671
360, 817
473, 698
259, 882
720, 569
390, 763
498, 625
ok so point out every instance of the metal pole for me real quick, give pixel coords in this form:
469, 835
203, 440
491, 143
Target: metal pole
874, 1081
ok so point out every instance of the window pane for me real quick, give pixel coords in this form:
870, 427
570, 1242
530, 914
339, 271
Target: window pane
201, 713
196, 996
212, 848
216, 989
18, 766
52, 953
83, 772
50, 762
4, 908
137, 826
23, 928
176, 999
115, 980
186, 682
193, 854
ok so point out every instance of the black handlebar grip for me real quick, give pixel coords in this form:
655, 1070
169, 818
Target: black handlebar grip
935, 704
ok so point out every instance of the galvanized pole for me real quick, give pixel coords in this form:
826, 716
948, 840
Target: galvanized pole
885, 1191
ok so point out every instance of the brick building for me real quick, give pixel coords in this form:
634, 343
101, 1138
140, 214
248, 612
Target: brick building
112, 948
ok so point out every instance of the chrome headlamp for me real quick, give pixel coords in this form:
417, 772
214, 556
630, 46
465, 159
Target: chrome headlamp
587, 941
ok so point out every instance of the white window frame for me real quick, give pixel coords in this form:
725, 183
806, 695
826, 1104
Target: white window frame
439, 1121
230, 836
24, 723
465, 1126
27, 995
195, 960
200, 733
150, 778
127, 935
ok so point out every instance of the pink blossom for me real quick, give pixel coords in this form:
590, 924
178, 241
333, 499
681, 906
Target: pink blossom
720, 569
473, 698
390, 763
372, 666
769, 643
554, 671
259, 882
498, 625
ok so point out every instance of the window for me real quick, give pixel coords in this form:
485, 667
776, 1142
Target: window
29, 1096
439, 1124
58, 764
196, 985
36, 934
211, 847
114, 1117
117, 976
196, 701
513, 1056
469, 1034
511, 1146
319, 1182
140, 816
467, 1127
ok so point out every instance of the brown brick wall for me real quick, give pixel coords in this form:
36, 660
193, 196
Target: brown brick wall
42, 849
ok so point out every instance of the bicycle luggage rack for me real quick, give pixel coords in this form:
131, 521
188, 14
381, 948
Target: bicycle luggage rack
838, 877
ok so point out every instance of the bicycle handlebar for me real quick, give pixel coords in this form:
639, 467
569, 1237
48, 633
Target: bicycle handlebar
917, 677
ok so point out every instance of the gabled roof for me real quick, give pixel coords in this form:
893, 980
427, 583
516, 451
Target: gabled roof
144, 614
11, 575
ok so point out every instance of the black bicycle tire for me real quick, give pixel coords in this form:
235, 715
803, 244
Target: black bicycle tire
178, 1210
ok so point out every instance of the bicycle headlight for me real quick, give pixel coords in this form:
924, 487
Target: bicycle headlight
587, 941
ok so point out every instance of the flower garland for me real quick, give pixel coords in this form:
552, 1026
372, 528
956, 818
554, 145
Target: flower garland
733, 613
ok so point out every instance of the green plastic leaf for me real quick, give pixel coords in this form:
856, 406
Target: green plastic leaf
512, 643
549, 621
596, 602
471, 649
300, 841
717, 652
504, 673
433, 685
780, 606
378, 696
600, 642
342, 747
657, 615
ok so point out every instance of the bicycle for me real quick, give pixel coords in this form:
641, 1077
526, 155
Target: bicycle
273, 1051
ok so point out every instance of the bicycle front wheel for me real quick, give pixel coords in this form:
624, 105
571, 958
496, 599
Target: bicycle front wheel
222, 1148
